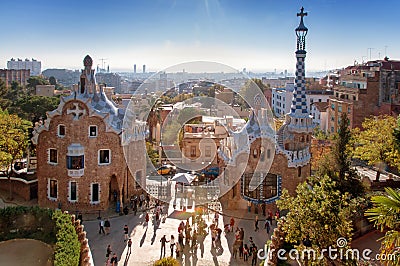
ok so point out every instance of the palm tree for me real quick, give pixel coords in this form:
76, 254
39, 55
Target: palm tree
386, 216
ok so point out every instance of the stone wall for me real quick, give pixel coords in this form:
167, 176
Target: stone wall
85, 255
23, 188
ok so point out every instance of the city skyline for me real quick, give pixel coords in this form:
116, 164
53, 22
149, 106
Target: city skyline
256, 35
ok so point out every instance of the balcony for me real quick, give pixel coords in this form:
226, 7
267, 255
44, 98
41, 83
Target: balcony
76, 172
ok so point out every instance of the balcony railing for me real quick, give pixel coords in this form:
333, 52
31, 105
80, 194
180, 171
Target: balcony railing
76, 172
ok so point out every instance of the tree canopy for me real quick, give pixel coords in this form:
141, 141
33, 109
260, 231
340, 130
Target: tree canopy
385, 214
318, 216
14, 139
376, 143
20, 100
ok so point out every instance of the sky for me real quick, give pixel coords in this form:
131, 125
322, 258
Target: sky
256, 35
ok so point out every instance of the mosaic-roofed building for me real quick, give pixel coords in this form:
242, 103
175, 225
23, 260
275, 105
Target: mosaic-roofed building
261, 162
80, 155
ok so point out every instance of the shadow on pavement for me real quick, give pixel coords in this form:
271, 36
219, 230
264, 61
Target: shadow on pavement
143, 237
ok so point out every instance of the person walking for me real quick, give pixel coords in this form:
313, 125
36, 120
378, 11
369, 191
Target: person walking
147, 218
129, 246
101, 226
171, 245
107, 226
194, 240
232, 223
114, 260
245, 252
178, 249
180, 238
254, 255
267, 226
256, 224
234, 249
80, 217
163, 240
108, 253
126, 232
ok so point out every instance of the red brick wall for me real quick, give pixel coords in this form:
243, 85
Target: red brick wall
18, 187
77, 131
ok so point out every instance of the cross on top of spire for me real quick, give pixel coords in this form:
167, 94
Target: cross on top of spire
302, 14
301, 29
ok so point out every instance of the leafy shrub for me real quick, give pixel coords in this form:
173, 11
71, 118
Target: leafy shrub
27, 222
169, 261
67, 249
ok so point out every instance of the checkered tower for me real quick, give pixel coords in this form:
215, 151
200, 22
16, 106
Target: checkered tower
300, 118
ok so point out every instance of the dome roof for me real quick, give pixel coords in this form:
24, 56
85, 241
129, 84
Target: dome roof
87, 61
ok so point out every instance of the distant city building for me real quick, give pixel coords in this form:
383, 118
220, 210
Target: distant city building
277, 82
80, 151
110, 80
45, 90
9, 75
144, 68
281, 99
363, 90
34, 66
134, 68
320, 114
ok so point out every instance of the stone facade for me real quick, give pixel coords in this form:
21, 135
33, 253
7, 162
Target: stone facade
80, 155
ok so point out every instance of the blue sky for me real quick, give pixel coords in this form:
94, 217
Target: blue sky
258, 35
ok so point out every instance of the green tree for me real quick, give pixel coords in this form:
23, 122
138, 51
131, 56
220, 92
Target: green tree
52, 81
152, 153
34, 107
318, 215
386, 216
376, 143
13, 141
346, 178
34, 81
67, 248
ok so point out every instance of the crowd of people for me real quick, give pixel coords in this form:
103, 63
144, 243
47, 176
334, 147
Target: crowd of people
192, 232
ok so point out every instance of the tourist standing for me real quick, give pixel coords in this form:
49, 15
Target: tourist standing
171, 245
267, 226
245, 252
194, 240
107, 226
254, 254
108, 253
256, 224
129, 246
163, 240
126, 231
114, 260
80, 217
232, 223
101, 226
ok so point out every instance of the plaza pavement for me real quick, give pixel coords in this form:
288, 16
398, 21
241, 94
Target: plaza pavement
145, 253
146, 247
